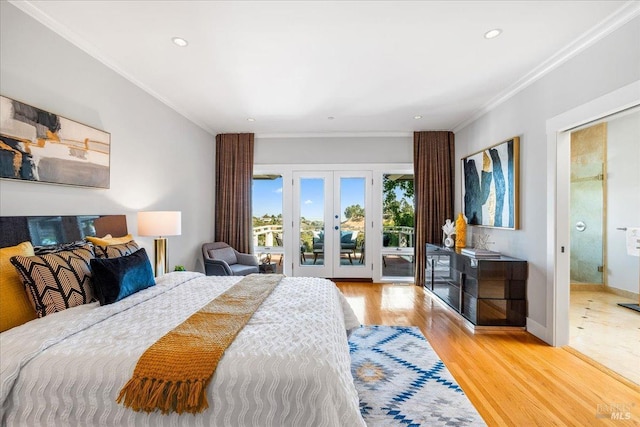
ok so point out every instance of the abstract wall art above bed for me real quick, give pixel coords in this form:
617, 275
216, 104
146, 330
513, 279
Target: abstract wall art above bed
39, 146
490, 181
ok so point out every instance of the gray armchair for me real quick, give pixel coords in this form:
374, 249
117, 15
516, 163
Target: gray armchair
220, 259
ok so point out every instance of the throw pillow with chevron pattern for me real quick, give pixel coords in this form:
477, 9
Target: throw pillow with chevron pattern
57, 281
116, 251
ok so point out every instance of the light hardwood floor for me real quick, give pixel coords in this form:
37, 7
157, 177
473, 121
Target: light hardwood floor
512, 377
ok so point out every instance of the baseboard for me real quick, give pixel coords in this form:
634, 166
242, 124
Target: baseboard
590, 287
536, 329
622, 293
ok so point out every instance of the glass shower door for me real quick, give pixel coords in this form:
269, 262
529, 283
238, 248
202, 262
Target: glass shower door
588, 174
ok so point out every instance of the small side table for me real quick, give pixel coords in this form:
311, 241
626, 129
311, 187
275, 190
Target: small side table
267, 268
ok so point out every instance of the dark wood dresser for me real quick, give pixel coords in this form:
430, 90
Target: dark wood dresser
487, 292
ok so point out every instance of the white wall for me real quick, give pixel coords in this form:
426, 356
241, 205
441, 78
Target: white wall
333, 150
609, 64
623, 199
159, 159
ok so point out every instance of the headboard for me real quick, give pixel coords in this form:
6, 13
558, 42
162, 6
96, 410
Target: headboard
52, 230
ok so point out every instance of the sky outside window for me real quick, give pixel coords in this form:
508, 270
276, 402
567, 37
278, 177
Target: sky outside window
312, 199
267, 197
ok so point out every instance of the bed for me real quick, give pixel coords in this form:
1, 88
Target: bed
289, 366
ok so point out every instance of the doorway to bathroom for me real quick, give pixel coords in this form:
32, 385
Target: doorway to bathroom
604, 264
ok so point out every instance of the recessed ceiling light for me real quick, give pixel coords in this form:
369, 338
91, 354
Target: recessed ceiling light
251, 119
179, 41
417, 117
492, 34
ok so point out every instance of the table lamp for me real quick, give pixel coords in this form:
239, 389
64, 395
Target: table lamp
160, 224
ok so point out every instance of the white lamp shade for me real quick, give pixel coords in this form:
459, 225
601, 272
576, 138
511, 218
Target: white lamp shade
160, 223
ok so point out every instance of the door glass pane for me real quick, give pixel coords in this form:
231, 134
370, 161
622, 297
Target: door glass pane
267, 218
588, 147
352, 221
398, 222
312, 221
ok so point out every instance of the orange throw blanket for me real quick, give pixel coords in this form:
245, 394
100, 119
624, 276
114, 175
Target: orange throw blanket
173, 374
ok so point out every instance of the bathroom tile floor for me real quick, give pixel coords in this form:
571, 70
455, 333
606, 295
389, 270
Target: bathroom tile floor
605, 332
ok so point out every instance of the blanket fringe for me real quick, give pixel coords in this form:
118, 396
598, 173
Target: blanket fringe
149, 394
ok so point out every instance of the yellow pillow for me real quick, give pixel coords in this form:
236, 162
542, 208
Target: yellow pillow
15, 307
108, 241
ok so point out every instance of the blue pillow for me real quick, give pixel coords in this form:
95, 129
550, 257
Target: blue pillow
116, 278
346, 237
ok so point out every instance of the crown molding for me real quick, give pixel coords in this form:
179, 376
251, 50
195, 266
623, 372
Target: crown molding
335, 135
617, 19
624, 14
73, 38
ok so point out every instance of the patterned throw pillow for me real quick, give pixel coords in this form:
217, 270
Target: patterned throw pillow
116, 251
57, 281
49, 249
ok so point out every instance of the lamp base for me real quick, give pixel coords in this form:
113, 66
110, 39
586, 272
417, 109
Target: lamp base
162, 261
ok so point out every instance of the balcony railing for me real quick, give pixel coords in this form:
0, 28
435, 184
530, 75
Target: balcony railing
393, 236
400, 236
271, 235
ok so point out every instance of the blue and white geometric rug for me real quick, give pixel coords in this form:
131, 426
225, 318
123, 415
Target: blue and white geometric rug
401, 381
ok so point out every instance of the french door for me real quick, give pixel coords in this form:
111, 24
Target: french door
331, 219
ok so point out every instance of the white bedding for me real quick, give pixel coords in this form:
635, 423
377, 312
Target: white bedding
289, 366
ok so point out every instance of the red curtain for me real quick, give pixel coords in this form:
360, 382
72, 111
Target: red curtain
234, 178
434, 183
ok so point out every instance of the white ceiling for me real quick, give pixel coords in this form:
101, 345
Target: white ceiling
372, 65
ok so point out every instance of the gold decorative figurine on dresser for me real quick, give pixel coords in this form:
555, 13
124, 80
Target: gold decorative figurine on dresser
461, 231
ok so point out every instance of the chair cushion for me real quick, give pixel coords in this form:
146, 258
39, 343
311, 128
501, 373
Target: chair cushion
243, 270
227, 255
351, 245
